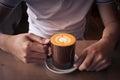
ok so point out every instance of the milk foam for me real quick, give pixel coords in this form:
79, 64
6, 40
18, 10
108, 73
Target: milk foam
63, 39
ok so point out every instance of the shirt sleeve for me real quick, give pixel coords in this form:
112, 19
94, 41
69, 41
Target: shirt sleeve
104, 1
10, 3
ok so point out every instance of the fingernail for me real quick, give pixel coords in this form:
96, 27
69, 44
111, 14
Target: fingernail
75, 65
81, 68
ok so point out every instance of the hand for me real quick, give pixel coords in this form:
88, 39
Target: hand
27, 47
96, 57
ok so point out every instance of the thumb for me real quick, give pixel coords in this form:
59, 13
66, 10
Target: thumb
38, 39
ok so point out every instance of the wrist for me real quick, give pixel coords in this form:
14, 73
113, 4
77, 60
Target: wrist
110, 41
3, 41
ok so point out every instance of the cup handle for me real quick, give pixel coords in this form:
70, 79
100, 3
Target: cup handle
49, 51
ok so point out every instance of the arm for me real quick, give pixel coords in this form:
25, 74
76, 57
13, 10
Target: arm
110, 17
98, 56
27, 47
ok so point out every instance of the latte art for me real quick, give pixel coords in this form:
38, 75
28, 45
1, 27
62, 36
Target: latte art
63, 39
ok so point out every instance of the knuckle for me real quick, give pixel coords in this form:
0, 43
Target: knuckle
45, 47
40, 39
29, 34
27, 45
24, 59
86, 64
93, 51
105, 60
100, 56
43, 51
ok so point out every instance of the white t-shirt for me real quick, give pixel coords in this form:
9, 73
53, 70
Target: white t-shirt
47, 17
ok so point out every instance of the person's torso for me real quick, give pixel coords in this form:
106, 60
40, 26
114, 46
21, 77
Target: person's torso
52, 16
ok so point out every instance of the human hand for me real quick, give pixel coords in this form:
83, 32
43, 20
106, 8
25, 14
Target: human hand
96, 57
27, 47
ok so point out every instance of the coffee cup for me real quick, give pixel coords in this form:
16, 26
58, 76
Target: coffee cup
63, 50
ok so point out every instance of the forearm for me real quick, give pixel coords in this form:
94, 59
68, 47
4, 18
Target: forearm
111, 21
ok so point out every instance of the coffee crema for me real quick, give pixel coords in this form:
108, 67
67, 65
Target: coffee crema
63, 39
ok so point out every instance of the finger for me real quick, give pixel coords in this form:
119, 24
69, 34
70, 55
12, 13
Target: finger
103, 66
38, 39
102, 63
99, 64
39, 48
95, 61
80, 59
86, 63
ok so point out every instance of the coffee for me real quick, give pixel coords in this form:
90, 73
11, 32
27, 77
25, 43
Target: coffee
63, 50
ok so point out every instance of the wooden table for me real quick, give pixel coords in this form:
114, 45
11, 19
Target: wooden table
13, 69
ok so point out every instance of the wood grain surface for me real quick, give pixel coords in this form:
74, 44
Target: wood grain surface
12, 68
